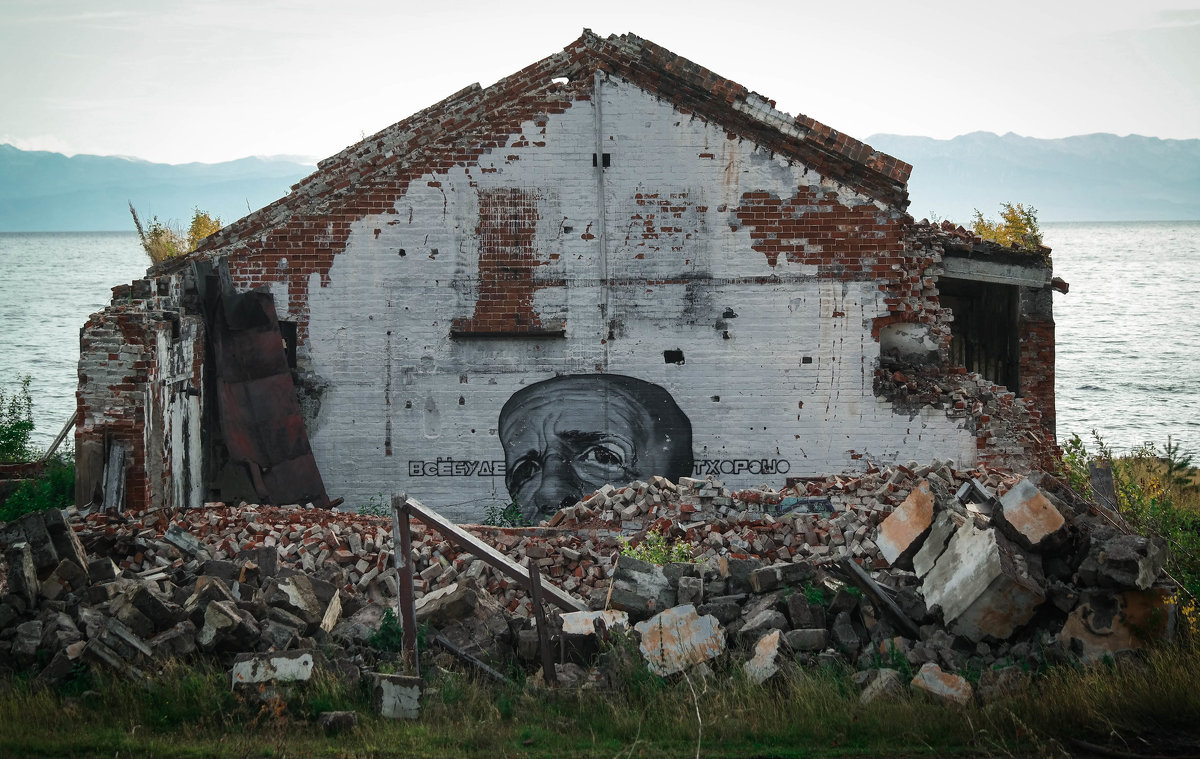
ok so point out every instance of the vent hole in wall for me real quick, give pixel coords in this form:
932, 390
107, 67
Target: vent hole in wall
673, 356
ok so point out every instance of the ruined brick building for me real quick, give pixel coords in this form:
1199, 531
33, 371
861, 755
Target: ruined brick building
611, 264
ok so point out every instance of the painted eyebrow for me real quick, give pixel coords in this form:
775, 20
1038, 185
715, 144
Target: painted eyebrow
581, 437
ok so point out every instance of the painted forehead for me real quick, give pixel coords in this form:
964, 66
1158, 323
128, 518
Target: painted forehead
584, 403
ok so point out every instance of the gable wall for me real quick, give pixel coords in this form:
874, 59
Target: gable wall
772, 281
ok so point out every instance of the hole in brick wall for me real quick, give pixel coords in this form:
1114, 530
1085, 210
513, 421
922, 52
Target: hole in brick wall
403, 253
462, 401
561, 79
673, 356
408, 404
806, 360
729, 314
725, 334
287, 330
716, 399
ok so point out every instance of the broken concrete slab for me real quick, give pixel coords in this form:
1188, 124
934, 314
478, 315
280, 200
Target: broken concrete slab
944, 526
942, 686
639, 588
765, 663
455, 601
584, 622
1109, 624
678, 638
277, 667
1122, 561
186, 542
227, 628
984, 585
397, 696
1028, 518
66, 542
901, 535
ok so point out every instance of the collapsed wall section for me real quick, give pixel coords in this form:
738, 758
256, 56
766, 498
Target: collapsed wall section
139, 416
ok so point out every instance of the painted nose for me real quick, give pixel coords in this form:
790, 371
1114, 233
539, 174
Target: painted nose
558, 488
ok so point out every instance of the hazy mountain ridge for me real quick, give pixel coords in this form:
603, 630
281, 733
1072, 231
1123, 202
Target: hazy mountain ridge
1093, 177
43, 191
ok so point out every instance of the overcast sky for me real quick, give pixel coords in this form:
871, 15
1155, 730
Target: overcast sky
222, 79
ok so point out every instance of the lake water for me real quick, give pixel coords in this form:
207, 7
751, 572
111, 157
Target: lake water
1128, 354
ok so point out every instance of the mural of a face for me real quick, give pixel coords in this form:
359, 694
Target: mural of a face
566, 437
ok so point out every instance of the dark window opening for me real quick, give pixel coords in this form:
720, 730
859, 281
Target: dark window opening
984, 333
288, 331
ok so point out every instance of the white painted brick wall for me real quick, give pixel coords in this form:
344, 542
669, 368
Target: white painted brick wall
815, 416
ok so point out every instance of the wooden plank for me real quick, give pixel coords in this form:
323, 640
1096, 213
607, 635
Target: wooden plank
539, 614
860, 579
405, 600
442, 641
114, 479
1104, 490
468, 542
70, 425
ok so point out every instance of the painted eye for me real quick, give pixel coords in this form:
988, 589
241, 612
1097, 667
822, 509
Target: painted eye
524, 471
603, 455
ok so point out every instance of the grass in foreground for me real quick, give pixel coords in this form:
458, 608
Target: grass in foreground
190, 712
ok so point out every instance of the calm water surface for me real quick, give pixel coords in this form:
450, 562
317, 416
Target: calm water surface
1128, 353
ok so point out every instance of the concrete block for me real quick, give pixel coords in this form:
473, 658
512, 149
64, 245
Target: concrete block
759, 624
690, 590
901, 535
22, 573
677, 638
843, 635
297, 595
942, 686
227, 628
1028, 518
640, 589
809, 639
984, 584
397, 696
885, 683
337, 722
278, 667
780, 575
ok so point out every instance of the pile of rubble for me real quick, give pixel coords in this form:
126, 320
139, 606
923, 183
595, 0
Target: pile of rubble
956, 578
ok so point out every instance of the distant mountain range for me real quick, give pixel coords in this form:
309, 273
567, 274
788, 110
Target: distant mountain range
1096, 177
1093, 177
41, 191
